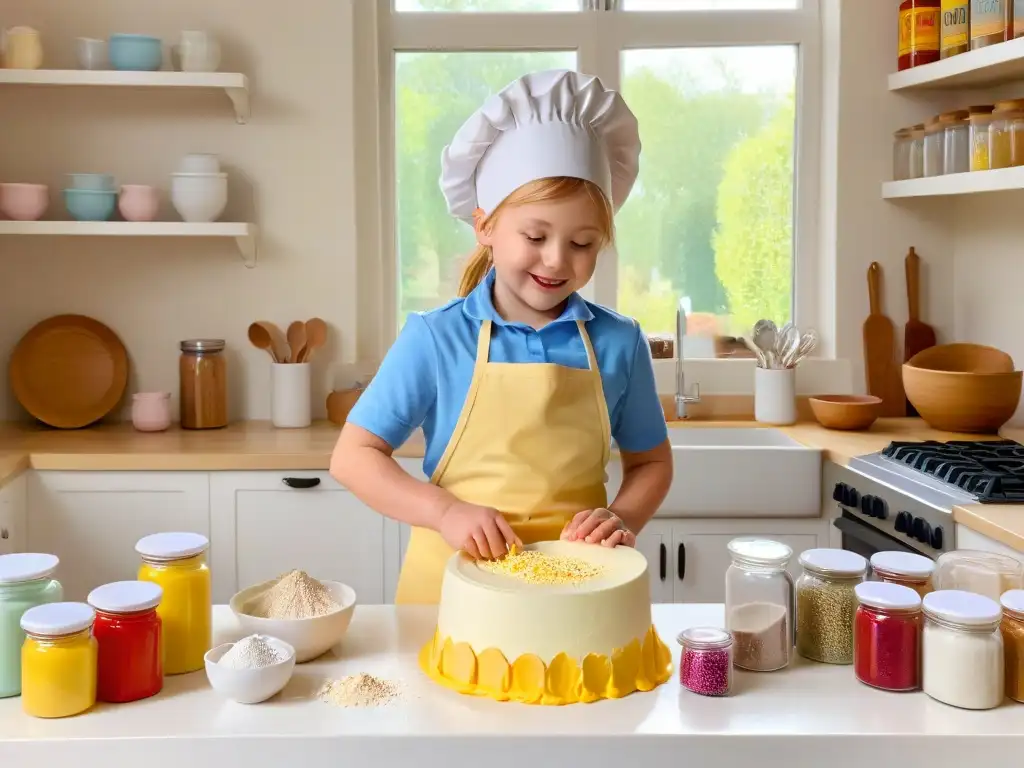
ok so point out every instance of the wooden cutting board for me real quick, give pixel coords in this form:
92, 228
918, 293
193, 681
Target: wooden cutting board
917, 336
884, 377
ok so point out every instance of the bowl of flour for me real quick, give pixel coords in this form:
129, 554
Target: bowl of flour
251, 670
309, 614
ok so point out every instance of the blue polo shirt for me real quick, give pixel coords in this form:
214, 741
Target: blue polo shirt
425, 376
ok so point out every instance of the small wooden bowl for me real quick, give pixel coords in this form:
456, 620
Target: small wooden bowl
340, 402
963, 358
846, 411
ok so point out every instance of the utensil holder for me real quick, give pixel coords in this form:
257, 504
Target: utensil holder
290, 395
775, 395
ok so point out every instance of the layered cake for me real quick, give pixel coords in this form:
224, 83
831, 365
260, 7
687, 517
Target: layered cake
558, 623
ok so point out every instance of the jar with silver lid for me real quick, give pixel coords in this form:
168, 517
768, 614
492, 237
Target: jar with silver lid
759, 603
826, 604
202, 371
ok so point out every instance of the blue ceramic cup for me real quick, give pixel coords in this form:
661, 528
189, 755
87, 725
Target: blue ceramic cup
138, 53
90, 204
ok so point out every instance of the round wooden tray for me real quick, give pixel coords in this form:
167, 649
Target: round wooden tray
69, 371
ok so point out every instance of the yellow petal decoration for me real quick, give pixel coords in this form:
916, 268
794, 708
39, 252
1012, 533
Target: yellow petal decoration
642, 665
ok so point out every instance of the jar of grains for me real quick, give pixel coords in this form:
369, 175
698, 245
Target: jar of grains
202, 373
58, 660
963, 650
887, 636
24, 583
705, 664
1012, 628
905, 568
759, 603
826, 602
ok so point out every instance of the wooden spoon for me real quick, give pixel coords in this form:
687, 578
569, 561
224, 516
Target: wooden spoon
260, 338
316, 337
296, 340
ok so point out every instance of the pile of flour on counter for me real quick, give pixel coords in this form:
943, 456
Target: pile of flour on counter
296, 595
360, 690
252, 652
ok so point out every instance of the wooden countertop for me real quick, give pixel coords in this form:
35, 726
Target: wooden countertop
257, 445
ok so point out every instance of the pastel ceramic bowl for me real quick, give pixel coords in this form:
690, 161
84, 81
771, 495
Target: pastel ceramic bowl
310, 637
138, 202
199, 197
137, 53
101, 181
24, 202
90, 204
249, 686
199, 163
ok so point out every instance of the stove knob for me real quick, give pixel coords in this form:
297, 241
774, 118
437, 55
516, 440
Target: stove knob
879, 508
903, 522
852, 497
922, 530
916, 528
839, 493
865, 504
937, 537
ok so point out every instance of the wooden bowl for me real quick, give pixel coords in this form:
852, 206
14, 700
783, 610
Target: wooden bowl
956, 401
846, 411
964, 358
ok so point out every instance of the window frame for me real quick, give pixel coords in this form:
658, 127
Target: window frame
598, 36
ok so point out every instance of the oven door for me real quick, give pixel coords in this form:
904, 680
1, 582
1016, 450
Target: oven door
865, 540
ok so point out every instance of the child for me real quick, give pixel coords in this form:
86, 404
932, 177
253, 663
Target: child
519, 384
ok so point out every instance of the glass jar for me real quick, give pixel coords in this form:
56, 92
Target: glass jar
991, 22
1012, 628
963, 650
24, 583
979, 121
202, 371
1017, 140
705, 664
177, 563
917, 151
934, 147
1000, 132
127, 629
901, 154
956, 155
887, 636
973, 570
759, 603
955, 35
919, 26
58, 660
826, 603
904, 568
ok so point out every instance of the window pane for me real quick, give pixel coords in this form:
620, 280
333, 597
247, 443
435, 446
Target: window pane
711, 216
476, 6
435, 94
709, 5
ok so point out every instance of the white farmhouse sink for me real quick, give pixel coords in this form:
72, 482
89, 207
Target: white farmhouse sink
737, 472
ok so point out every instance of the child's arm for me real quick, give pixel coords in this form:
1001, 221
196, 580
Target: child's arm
646, 478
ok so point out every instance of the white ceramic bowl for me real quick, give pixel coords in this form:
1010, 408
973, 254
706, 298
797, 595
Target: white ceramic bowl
310, 637
249, 686
199, 197
199, 163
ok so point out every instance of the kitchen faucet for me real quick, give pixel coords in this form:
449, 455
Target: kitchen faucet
682, 399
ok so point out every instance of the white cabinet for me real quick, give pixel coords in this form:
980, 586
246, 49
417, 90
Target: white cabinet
655, 543
13, 515
967, 538
91, 520
267, 523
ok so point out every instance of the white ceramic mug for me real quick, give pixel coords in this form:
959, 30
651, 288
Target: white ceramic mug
290, 405
775, 395
198, 52
92, 53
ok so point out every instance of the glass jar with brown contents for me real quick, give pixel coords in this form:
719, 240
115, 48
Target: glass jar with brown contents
202, 371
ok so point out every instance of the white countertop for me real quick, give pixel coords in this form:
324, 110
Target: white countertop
805, 715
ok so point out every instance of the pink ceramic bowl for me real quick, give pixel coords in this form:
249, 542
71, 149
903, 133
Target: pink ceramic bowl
138, 202
24, 202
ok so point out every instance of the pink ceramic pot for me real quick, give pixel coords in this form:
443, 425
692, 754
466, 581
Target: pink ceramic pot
151, 411
24, 202
138, 202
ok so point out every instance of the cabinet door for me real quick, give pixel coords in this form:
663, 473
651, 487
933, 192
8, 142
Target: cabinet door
655, 543
13, 515
92, 520
273, 522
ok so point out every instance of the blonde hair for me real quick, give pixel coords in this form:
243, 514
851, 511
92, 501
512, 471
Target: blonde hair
539, 191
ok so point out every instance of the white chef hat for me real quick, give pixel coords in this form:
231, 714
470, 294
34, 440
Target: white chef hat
552, 123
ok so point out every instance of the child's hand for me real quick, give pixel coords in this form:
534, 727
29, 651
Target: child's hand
598, 526
481, 531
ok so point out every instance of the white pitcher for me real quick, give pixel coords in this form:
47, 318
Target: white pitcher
22, 48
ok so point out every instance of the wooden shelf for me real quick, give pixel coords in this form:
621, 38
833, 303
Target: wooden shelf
996, 64
244, 234
999, 180
234, 84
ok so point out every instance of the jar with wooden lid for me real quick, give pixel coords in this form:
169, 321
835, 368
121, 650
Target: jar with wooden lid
1000, 138
202, 371
934, 135
991, 22
979, 120
955, 33
956, 155
920, 23
901, 154
916, 151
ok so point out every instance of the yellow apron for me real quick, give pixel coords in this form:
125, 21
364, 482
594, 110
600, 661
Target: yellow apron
532, 441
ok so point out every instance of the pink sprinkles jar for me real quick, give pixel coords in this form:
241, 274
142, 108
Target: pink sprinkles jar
705, 665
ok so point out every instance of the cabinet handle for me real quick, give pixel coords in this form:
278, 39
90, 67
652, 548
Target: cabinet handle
681, 559
302, 482
663, 564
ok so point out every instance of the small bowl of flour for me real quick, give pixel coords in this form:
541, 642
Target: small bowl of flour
252, 669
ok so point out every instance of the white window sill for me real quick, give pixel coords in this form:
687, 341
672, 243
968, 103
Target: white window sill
814, 376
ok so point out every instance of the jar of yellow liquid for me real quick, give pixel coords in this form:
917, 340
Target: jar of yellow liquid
177, 562
980, 120
58, 660
1000, 132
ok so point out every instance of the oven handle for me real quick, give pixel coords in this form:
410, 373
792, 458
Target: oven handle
872, 537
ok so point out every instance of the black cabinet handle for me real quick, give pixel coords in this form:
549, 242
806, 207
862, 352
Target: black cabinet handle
663, 565
681, 558
302, 482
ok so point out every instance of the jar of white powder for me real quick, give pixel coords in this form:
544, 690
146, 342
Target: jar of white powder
963, 649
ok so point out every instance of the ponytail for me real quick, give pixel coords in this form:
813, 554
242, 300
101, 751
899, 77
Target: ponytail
476, 270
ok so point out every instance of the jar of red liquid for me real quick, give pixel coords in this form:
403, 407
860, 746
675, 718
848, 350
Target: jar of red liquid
127, 629
887, 636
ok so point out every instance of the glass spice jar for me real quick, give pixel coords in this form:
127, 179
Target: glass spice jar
956, 156
24, 583
934, 140
991, 22
887, 636
705, 665
901, 154
128, 632
826, 603
1012, 628
979, 121
919, 27
202, 371
58, 660
917, 151
759, 603
955, 35
1000, 132
904, 568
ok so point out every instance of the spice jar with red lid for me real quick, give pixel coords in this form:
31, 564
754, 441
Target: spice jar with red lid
887, 636
128, 631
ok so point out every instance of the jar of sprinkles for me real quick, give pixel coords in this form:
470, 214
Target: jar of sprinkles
826, 603
1012, 628
905, 568
887, 636
706, 663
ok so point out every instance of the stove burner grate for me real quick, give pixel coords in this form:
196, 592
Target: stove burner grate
991, 470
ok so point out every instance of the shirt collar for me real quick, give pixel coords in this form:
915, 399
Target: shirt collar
480, 306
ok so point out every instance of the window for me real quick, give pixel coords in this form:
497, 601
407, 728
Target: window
722, 217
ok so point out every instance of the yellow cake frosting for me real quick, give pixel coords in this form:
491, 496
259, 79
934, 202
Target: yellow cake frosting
521, 635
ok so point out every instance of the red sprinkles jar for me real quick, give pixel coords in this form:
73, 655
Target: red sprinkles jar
706, 663
887, 636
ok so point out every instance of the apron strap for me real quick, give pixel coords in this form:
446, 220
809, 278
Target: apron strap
602, 403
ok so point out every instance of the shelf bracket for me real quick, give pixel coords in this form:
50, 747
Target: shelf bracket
247, 247
240, 100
